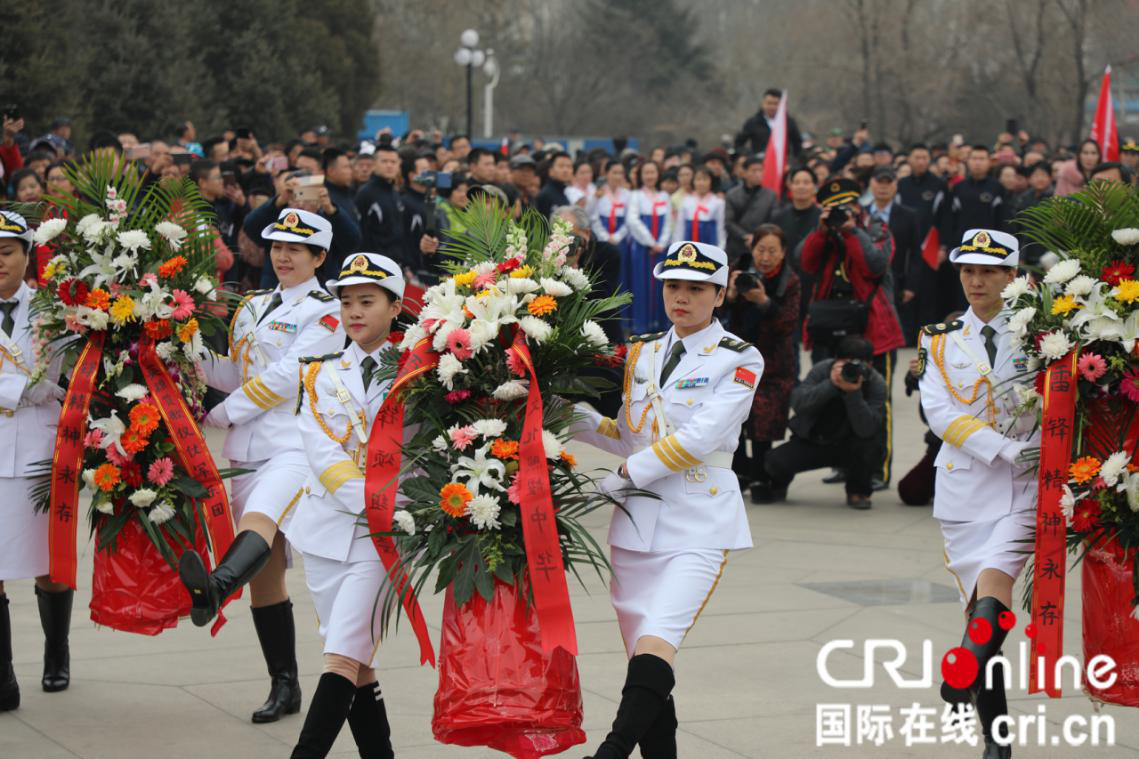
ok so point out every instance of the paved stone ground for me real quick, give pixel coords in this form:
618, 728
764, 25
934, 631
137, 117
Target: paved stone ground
747, 682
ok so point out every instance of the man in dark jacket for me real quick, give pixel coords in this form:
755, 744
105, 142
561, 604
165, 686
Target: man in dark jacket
757, 130
746, 206
906, 266
381, 209
839, 412
927, 194
553, 193
1039, 190
338, 180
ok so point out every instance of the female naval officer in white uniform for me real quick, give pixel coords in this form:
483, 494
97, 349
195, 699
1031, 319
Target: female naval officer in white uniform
984, 498
686, 394
270, 331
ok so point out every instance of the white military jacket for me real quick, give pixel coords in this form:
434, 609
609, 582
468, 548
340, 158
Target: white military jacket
260, 372
335, 419
27, 430
971, 406
687, 459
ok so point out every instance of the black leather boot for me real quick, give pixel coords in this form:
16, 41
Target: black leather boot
246, 556
278, 636
368, 721
326, 714
992, 703
647, 686
989, 609
55, 617
9, 688
660, 741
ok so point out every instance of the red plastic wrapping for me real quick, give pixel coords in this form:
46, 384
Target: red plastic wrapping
497, 687
1108, 626
134, 589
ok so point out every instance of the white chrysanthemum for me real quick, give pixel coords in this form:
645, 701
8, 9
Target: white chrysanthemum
552, 445
444, 331
89, 479
1055, 345
576, 278
143, 497
1081, 286
486, 267
1015, 289
412, 337
204, 285
161, 513
482, 334
404, 520
1020, 319
49, 230
594, 334
172, 233
1062, 271
483, 511
195, 350
105, 506
509, 391
1114, 467
1128, 236
1132, 490
134, 240
86, 224
1067, 503
535, 329
521, 285
166, 350
94, 318
449, 367
133, 392
439, 443
489, 428
555, 288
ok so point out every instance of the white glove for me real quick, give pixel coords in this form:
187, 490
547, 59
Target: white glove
42, 392
1011, 450
614, 486
218, 417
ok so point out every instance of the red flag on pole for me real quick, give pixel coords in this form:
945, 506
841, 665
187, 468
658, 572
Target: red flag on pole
931, 248
1103, 128
775, 157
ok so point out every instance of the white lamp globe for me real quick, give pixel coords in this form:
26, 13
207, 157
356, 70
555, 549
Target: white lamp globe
469, 38
477, 58
463, 56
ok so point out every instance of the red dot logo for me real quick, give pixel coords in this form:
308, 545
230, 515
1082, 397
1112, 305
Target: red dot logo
980, 631
1030, 631
959, 668
1007, 620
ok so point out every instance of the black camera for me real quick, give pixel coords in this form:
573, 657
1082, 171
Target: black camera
853, 370
745, 282
837, 217
577, 245
427, 179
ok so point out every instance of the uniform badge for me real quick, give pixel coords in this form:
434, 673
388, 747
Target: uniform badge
1020, 363
329, 322
923, 357
745, 377
927, 196
283, 327
685, 384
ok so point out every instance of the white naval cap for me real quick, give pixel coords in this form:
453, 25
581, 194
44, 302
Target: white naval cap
13, 224
694, 261
369, 269
295, 225
988, 247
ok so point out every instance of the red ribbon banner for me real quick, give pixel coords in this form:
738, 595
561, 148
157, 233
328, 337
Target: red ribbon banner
67, 462
193, 454
1051, 530
381, 481
539, 531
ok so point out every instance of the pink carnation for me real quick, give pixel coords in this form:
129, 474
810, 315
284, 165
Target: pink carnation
161, 471
461, 437
484, 281
1092, 366
514, 492
183, 305
457, 396
94, 439
514, 363
1129, 387
459, 343
117, 458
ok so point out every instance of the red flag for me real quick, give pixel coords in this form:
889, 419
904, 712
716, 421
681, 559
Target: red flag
1103, 128
775, 157
931, 249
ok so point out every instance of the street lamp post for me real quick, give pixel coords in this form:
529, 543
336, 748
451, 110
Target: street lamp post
470, 56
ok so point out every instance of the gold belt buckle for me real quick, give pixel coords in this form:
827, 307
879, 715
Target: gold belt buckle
7, 412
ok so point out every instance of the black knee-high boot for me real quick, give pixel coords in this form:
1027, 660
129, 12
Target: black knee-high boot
647, 686
992, 703
278, 635
9, 688
247, 555
988, 609
55, 618
368, 721
326, 714
660, 741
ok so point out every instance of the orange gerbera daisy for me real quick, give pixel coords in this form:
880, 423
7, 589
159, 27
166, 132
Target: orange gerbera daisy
98, 299
1085, 468
172, 266
504, 449
542, 305
159, 329
144, 417
134, 440
453, 499
106, 477
187, 331
569, 459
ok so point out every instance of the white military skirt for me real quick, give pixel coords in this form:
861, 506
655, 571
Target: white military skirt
23, 531
1004, 543
273, 488
661, 593
348, 601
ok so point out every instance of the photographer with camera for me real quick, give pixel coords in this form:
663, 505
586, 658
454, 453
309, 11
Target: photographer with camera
840, 412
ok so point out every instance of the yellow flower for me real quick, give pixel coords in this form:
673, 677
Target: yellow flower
187, 331
122, 310
1127, 291
522, 272
52, 268
466, 278
1064, 304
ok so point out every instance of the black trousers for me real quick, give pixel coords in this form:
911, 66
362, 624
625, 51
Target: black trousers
857, 456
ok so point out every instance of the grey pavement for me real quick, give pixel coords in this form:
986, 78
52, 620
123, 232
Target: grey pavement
746, 676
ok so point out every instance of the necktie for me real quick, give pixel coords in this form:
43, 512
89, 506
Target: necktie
275, 301
673, 359
990, 343
367, 368
8, 324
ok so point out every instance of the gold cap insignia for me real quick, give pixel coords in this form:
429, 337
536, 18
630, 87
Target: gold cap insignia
359, 265
291, 220
982, 240
687, 254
